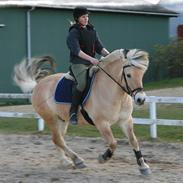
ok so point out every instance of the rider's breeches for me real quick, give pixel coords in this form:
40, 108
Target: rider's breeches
80, 74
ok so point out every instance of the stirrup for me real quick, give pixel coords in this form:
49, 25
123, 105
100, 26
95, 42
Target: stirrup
73, 119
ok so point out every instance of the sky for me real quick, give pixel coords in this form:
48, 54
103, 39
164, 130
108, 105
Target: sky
165, 1
175, 5
153, 1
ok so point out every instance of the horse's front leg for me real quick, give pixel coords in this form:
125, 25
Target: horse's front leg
106, 132
129, 132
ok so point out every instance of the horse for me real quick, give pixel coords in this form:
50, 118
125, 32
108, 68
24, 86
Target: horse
117, 83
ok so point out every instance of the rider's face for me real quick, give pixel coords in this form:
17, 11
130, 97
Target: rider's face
83, 20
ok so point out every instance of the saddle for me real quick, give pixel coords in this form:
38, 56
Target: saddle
63, 90
91, 71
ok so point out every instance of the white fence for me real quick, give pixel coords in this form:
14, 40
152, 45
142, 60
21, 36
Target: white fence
20, 114
152, 120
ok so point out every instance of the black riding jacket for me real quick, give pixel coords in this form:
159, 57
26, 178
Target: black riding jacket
85, 39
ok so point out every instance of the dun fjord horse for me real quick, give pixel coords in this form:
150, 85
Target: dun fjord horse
118, 81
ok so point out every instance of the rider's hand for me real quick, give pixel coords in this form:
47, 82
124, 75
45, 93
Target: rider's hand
94, 61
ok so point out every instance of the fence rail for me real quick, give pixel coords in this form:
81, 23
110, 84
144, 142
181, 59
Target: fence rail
15, 96
151, 100
40, 121
153, 121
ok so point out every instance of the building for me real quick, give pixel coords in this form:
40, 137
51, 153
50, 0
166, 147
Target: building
33, 28
175, 22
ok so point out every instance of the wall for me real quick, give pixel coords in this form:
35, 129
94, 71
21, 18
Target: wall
49, 29
12, 44
133, 31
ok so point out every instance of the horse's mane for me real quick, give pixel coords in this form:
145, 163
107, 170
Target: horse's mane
138, 58
134, 57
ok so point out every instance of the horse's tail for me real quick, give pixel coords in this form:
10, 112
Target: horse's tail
28, 73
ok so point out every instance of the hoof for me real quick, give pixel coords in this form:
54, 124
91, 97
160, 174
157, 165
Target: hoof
146, 171
79, 164
66, 165
101, 159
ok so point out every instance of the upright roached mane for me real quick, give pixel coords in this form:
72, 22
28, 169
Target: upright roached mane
107, 104
138, 58
135, 57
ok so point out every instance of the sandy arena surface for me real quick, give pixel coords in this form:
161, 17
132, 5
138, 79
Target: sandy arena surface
34, 158
168, 92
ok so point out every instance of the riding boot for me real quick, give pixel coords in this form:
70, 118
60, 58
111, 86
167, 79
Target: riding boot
76, 100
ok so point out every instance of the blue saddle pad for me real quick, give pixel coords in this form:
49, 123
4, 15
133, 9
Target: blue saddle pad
63, 91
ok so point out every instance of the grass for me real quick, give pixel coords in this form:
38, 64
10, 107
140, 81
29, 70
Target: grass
168, 83
18, 125
165, 133
9, 102
164, 111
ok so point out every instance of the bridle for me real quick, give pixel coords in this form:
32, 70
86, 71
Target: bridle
126, 89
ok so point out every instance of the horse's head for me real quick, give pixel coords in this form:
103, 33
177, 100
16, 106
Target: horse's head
136, 63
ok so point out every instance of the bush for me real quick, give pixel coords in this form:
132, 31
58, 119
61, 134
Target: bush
169, 59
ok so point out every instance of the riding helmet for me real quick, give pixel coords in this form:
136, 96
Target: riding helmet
79, 11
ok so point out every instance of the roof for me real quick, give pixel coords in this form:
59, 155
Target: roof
122, 6
175, 5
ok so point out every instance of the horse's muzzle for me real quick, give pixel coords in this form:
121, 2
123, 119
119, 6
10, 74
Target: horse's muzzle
139, 98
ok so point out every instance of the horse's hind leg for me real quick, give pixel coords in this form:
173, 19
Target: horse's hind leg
105, 130
58, 138
128, 130
78, 161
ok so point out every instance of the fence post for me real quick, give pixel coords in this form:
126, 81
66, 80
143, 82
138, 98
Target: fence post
40, 124
153, 117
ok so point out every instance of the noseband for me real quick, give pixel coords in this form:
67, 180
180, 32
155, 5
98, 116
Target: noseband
126, 89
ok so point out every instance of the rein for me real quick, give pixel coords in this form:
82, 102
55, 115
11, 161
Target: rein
122, 87
127, 89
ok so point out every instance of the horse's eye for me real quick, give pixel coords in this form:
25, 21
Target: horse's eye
128, 75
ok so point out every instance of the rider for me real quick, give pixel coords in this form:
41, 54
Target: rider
83, 42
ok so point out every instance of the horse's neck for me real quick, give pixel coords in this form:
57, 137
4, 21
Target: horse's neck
105, 86
106, 95
113, 68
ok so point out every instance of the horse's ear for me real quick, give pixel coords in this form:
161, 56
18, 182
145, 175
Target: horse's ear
125, 52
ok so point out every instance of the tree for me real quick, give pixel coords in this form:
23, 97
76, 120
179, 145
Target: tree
169, 59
